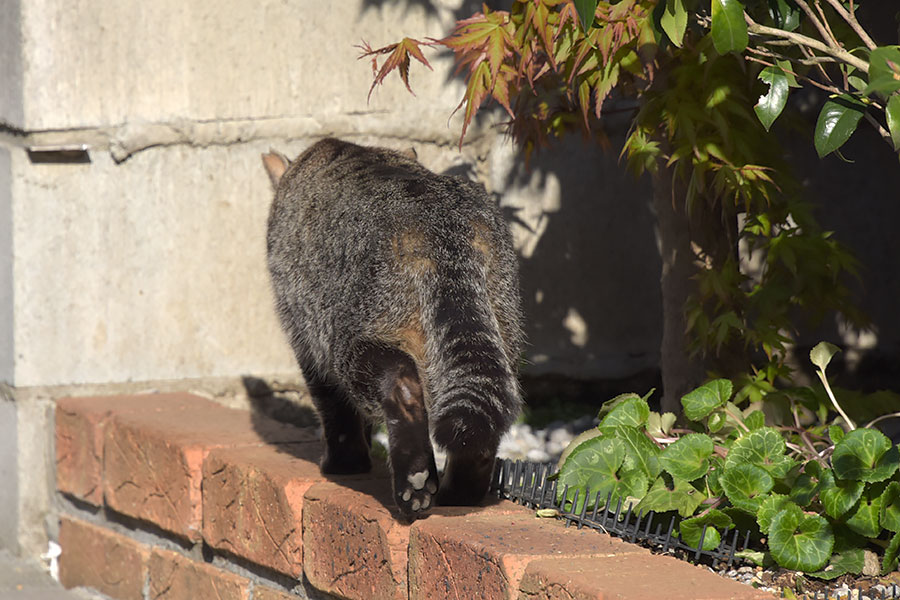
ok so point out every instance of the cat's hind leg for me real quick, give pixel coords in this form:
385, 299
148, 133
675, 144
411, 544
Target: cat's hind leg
389, 376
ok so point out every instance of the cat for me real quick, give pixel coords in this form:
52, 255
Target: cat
398, 291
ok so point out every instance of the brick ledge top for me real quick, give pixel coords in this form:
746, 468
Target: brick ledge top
250, 488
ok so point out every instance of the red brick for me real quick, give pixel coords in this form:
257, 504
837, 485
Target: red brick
79, 447
261, 592
486, 556
353, 545
152, 457
98, 558
176, 577
631, 577
252, 502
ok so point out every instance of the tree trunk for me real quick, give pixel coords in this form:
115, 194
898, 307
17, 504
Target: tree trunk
680, 372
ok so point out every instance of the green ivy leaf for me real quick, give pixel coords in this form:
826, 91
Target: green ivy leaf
746, 486
586, 10
714, 520
866, 455
764, 448
770, 106
889, 561
884, 71
682, 496
890, 507
729, 30
706, 398
799, 541
838, 495
822, 354
771, 506
865, 520
851, 561
892, 116
688, 457
837, 122
674, 21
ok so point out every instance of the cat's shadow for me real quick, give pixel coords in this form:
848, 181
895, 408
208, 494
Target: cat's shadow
281, 404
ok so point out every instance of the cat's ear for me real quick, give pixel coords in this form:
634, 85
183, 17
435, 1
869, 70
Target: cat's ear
276, 164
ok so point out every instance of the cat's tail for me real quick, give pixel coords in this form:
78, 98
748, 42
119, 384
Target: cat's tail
475, 394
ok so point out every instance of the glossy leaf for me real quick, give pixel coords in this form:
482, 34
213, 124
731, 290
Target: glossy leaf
640, 452
764, 448
688, 457
892, 116
706, 398
592, 465
800, 541
807, 484
770, 105
865, 455
785, 14
889, 560
884, 70
713, 521
746, 486
836, 123
674, 20
729, 30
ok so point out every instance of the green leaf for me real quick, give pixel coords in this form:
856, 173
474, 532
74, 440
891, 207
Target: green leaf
835, 433
660, 425
682, 496
770, 106
688, 457
764, 448
593, 464
884, 71
674, 21
771, 506
716, 421
822, 353
755, 420
837, 122
729, 30
865, 455
630, 412
586, 10
865, 520
890, 507
706, 398
799, 541
889, 561
807, 484
851, 561
785, 14
838, 495
746, 486
640, 452
691, 529
892, 116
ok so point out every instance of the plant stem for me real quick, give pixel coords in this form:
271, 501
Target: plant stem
895, 415
802, 40
853, 23
834, 401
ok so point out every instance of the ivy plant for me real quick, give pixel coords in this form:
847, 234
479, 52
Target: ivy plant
819, 495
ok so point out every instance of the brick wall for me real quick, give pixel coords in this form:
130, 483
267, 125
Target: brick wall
174, 497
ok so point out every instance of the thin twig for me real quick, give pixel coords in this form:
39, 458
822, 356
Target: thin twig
828, 88
834, 40
834, 401
895, 415
806, 41
881, 130
809, 55
815, 21
850, 17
